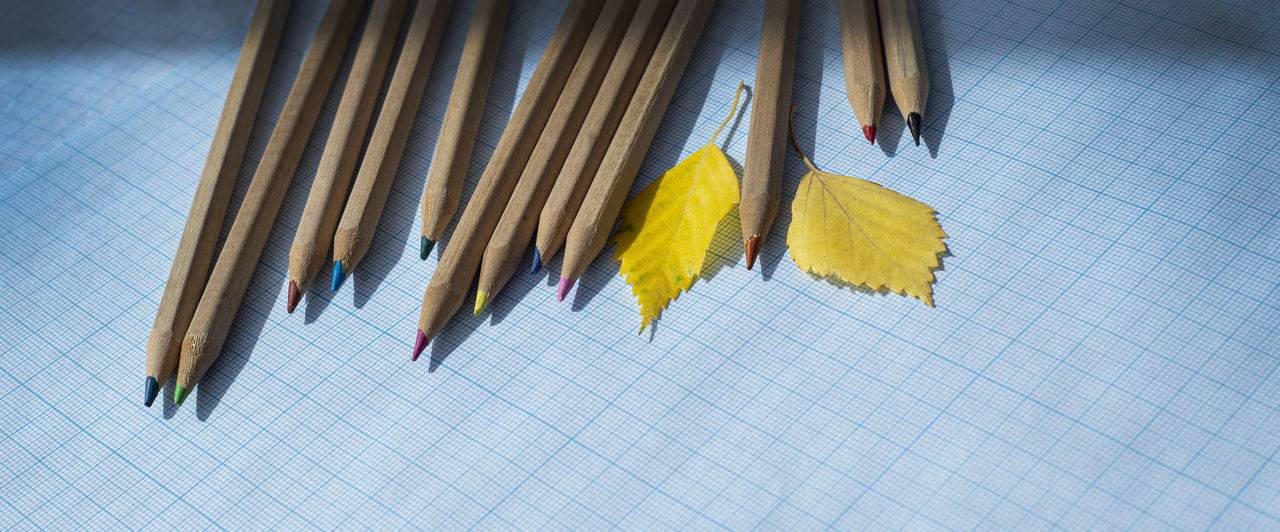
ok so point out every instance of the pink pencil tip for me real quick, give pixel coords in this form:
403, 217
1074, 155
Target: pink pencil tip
563, 290
419, 344
870, 132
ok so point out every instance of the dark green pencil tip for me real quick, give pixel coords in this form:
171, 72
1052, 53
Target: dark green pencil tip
427, 245
150, 391
913, 125
180, 394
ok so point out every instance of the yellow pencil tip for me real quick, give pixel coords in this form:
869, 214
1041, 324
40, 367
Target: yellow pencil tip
482, 301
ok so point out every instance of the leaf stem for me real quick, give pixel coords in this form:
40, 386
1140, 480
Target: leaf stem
732, 108
791, 131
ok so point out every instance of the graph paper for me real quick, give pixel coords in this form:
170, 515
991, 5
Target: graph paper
1102, 355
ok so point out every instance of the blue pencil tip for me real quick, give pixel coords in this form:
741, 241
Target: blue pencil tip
338, 276
150, 391
537, 262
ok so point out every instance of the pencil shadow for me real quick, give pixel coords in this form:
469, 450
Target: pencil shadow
941, 95
169, 407
318, 297
520, 284
890, 130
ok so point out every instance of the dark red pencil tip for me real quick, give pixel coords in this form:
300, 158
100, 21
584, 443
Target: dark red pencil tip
419, 344
294, 296
870, 132
753, 249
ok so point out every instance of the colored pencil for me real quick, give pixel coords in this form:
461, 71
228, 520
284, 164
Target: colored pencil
515, 227
863, 64
457, 267
602, 120
599, 210
239, 256
395, 119
766, 141
461, 121
342, 149
904, 60
213, 193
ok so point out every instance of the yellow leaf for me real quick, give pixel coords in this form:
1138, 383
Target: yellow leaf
667, 227
861, 233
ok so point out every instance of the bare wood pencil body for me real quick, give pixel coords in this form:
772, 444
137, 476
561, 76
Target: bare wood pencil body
904, 60
515, 228
342, 148
598, 128
863, 63
213, 193
457, 267
462, 119
386, 146
766, 141
599, 210
239, 256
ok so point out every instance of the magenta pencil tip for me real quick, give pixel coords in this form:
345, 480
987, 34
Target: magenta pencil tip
419, 344
563, 290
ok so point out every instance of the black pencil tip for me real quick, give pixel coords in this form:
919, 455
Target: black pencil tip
150, 391
913, 124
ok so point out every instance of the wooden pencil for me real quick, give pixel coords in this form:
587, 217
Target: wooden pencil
863, 64
599, 210
458, 262
239, 256
342, 149
766, 141
213, 193
602, 120
904, 60
386, 145
461, 121
515, 227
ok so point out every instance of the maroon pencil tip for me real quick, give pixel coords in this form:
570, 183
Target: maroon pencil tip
870, 132
294, 296
563, 290
753, 249
419, 344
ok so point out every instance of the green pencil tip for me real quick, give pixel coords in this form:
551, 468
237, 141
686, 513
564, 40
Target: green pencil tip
427, 245
482, 301
180, 394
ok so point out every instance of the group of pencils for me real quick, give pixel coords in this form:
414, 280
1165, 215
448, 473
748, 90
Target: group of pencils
563, 165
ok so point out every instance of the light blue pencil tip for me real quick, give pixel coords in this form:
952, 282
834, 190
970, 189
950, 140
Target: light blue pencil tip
338, 276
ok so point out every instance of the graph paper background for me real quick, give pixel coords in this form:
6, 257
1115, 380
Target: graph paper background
1102, 355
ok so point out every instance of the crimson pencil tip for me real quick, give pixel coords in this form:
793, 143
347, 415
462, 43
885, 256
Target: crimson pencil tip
753, 249
563, 290
870, 132
294, 296
419, 344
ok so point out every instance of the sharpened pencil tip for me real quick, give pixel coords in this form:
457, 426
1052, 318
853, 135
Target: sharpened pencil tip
753, 249
419, 344
563, 290
424, 250
180, 394
294, 296
537, 262
339, 275
913, 125
482, 301
870, 132
150, 390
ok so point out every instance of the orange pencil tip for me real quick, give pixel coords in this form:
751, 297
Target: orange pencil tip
294, 296
753, 249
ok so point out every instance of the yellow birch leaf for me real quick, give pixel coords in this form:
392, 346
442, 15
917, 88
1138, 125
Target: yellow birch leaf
860, 233
667, 227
